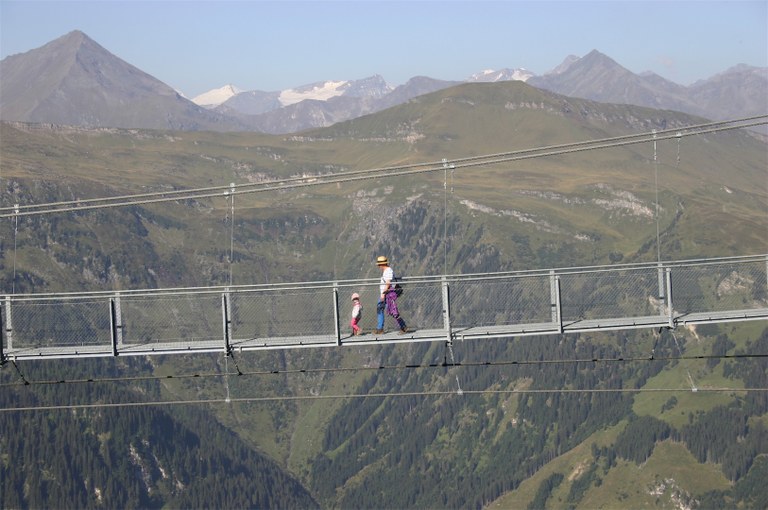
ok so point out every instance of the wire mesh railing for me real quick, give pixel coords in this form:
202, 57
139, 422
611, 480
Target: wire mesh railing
148, 320
623, 292
436, 308
718, 286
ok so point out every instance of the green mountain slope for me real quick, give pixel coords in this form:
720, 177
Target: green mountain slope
448, 451
125, 457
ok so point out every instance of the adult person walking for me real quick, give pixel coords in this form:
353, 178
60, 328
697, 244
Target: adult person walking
387, 297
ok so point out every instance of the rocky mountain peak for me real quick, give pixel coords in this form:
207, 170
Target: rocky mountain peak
73, 80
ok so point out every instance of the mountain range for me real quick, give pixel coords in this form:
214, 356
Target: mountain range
75, 81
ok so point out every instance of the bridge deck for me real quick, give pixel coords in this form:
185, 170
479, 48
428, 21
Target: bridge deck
389, 337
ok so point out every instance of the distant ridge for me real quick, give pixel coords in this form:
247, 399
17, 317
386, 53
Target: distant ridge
599, 78
73, 80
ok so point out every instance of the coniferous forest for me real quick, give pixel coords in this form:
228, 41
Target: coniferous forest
128, 457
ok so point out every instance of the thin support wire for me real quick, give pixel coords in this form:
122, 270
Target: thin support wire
409, 366
453, 360
656, 187
690, 378
226, 378
296, 398
231, 230
18, 371
234, 361
227, 374
445, 210
445, 216
15, 235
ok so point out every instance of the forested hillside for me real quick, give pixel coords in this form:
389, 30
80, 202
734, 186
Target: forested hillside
137, 456
607, 419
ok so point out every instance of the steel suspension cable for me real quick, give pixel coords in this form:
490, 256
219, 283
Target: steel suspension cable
408, 366
656, 190
294, 398
378, 173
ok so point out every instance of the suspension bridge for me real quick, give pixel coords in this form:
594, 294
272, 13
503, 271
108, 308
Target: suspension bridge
443, 308
227, 319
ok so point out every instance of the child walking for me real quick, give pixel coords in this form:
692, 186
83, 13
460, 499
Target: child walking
357, 313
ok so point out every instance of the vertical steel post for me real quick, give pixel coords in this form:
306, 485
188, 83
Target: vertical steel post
670, 308
8, 324
2, 335
558, 306
662, 297
554, 297
446, 292
115, 324
226, 322
120, 325
336, 312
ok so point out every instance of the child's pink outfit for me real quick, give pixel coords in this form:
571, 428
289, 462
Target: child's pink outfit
357, 313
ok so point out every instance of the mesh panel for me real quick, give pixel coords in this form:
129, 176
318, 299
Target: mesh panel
625, 293
502, 301
157, 319
57, 324
281, 313
719, 287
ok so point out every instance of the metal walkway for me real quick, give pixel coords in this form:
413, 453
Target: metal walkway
437, 308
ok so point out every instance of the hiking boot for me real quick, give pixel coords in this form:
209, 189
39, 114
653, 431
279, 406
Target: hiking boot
378, 331
403, 331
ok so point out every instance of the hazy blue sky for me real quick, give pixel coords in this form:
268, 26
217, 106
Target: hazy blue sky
196, 46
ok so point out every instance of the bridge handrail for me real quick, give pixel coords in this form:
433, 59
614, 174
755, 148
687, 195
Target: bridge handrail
218, 289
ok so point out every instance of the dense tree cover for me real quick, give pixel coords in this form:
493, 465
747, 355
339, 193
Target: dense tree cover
464, 452
126, 457
637, 440
713, 432
754, 373
545, 489
724, 434
720, 347
748, 492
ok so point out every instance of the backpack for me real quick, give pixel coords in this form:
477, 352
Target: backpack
397, 287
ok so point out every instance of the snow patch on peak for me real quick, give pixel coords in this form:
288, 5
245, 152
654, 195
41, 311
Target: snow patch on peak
216, 97
491, 75
521, 74
322, 91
